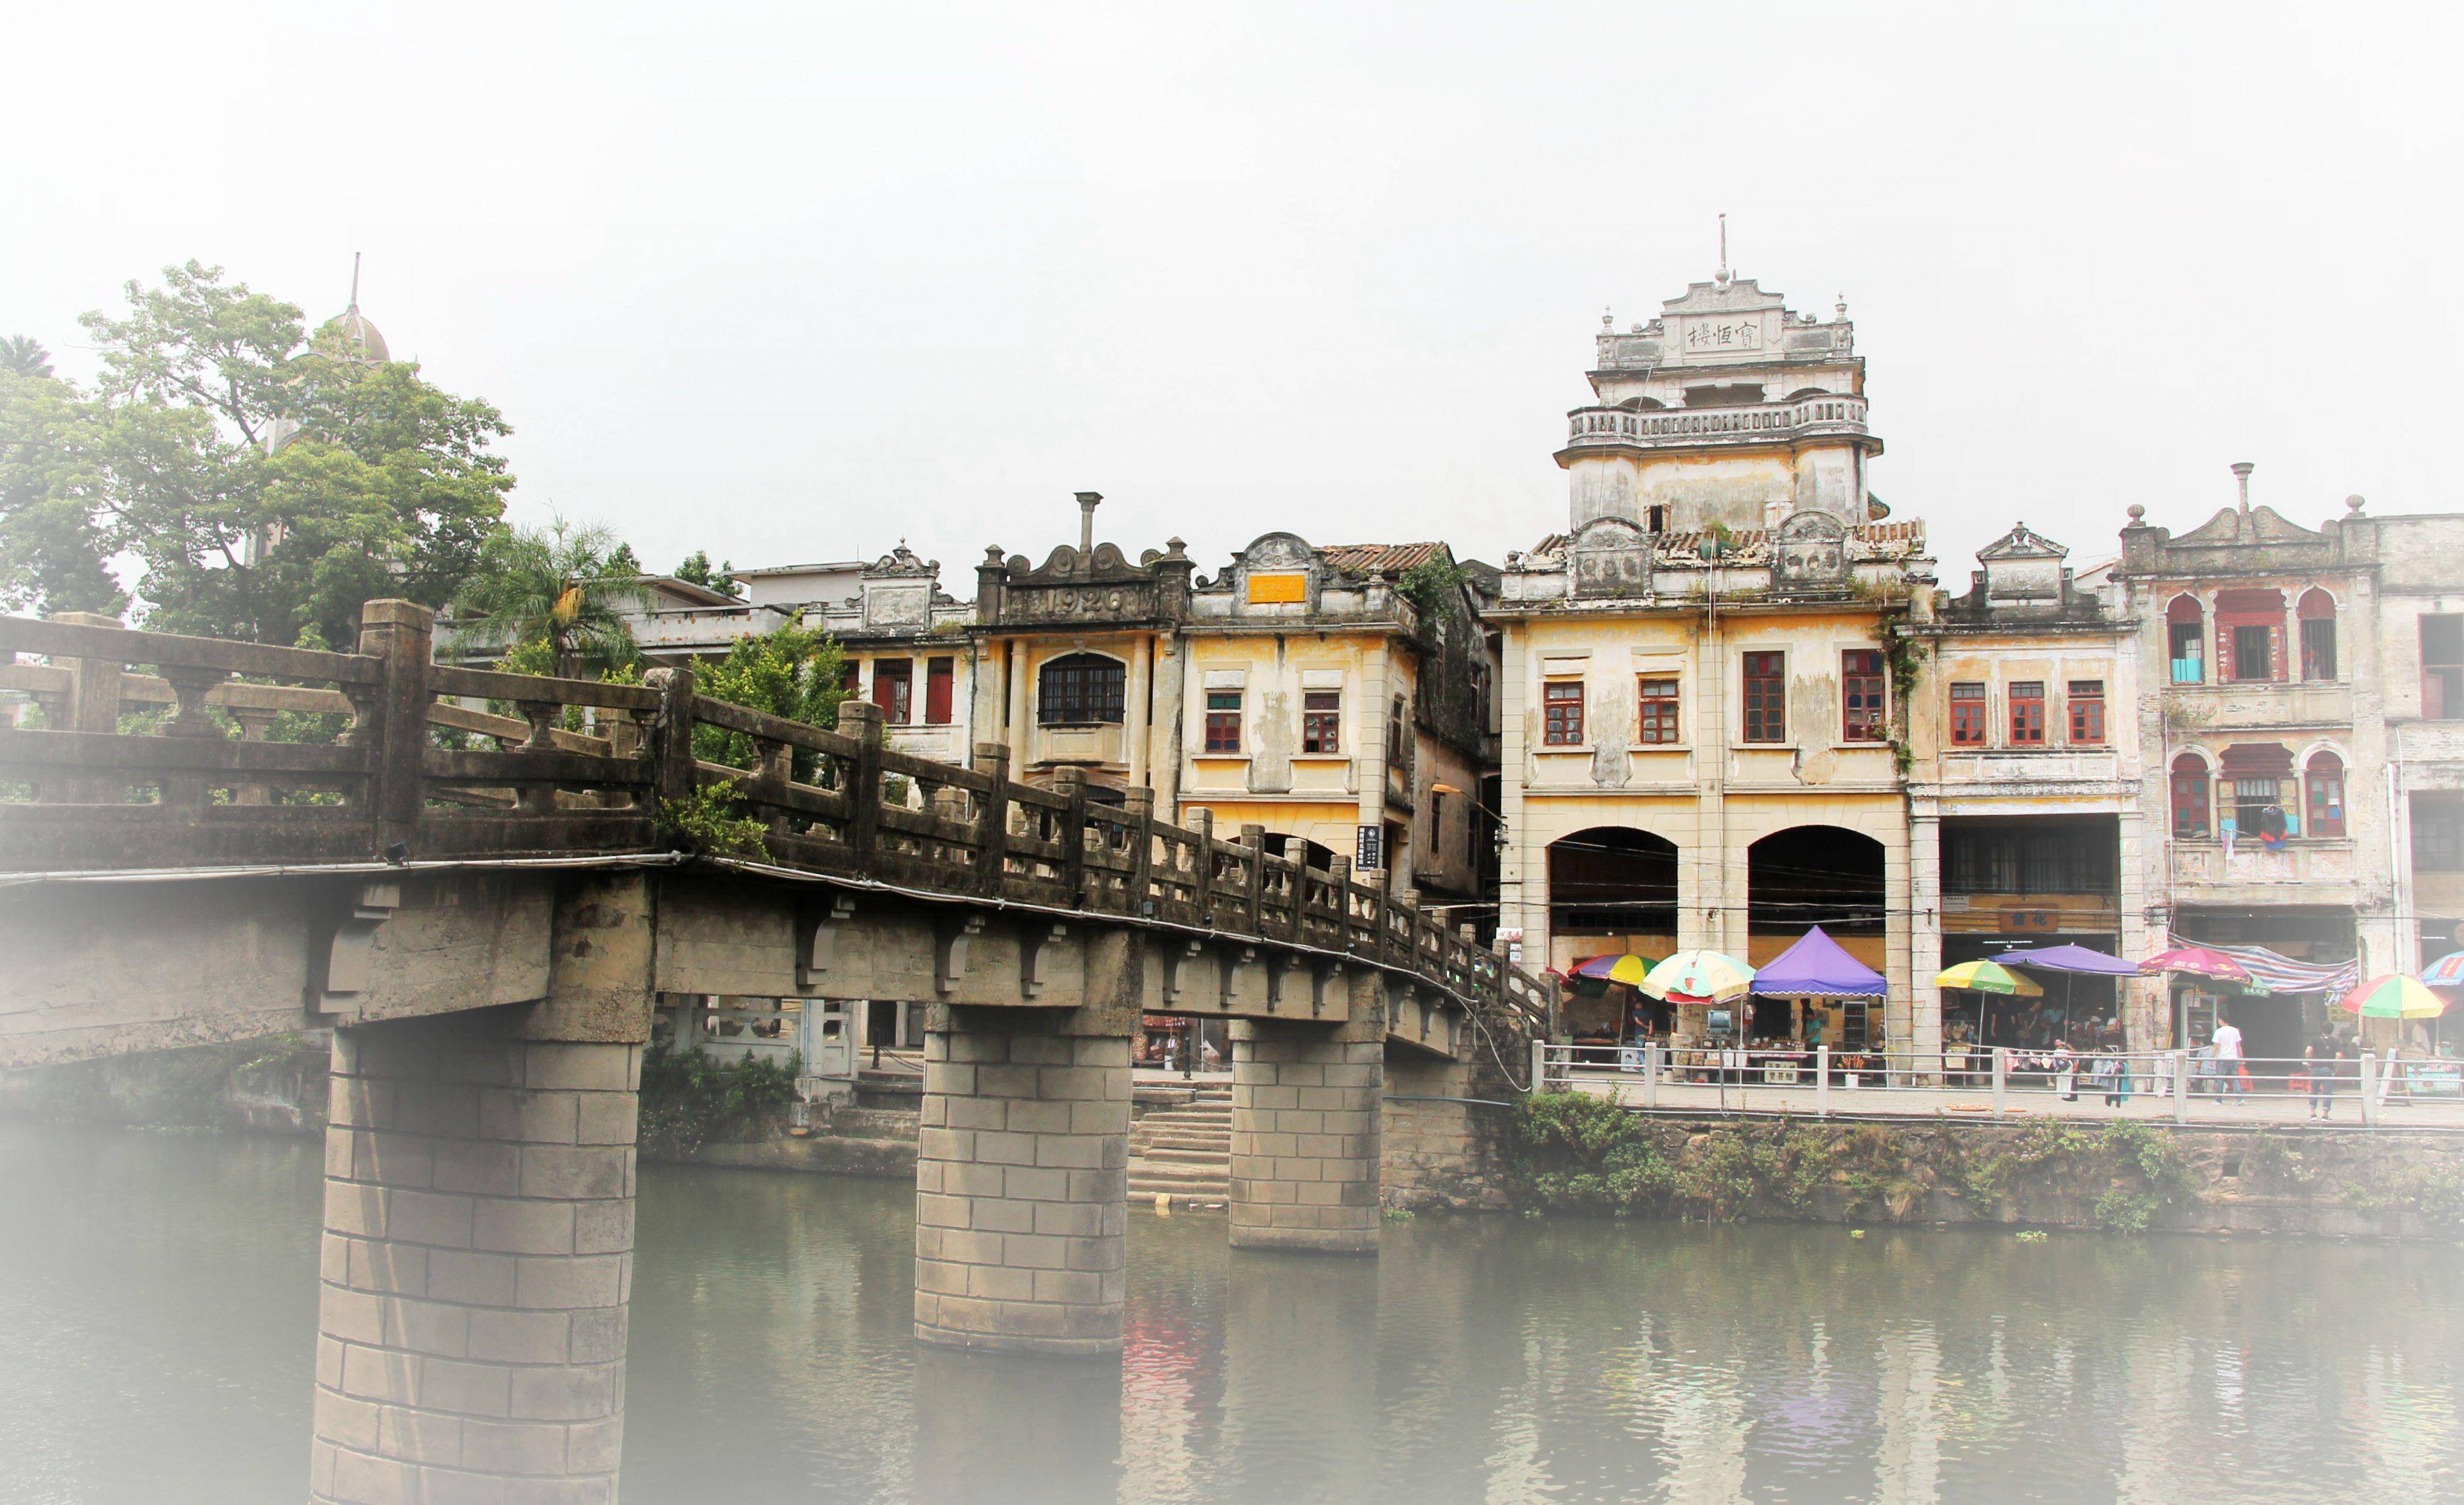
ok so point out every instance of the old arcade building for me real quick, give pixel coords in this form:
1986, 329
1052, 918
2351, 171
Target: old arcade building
907, 651
1339, 696
2023, 794
1701, 736
2421, 690
2264, 742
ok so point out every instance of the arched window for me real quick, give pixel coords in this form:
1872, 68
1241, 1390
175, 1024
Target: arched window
2189, 795
2322, 781
1081, 690
2249, 635
2185, 641
2317, 613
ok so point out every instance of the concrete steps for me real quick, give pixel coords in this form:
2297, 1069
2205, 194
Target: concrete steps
1183, 1152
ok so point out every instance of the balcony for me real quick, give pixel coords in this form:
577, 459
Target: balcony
2254, 705
2320, 871
1604, 429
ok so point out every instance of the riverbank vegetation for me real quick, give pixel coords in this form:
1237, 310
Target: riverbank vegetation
690, 1099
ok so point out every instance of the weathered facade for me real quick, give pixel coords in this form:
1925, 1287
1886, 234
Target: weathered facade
1320, 699
2024, 819
1700, 729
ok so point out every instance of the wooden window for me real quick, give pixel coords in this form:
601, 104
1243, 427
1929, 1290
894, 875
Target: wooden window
2186, 637
1967, 713
1657, 694
2251, 625
2442, 667
2189, 795
940, 676
1082, 690
894, 689
1222, 721
2324, 783
1321, 721
2437, 835
1766, 697
1863, 708
2317, 613
1562, 706
851, 675
2087, 713
2028, 713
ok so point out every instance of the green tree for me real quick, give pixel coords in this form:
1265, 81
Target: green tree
51, 548
265, 480
698, 569
559, 591
796, 672
22, 354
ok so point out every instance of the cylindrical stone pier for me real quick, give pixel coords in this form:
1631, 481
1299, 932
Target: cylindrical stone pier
1021, 1185
476, 1264
1305, 1133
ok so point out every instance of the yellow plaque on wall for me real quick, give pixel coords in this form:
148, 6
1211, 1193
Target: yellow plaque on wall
1266, 590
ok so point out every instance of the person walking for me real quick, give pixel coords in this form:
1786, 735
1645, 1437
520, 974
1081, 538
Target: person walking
2065, 1071
2325, 1059
2228, 1046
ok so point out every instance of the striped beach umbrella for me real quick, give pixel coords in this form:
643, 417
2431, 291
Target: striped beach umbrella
1988, 978
2394, 996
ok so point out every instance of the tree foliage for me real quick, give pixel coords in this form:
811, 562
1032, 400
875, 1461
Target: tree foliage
794, 671
554, 599
698, 569
263, 479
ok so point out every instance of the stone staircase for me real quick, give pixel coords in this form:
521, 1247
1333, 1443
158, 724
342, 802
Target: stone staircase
1183, 1152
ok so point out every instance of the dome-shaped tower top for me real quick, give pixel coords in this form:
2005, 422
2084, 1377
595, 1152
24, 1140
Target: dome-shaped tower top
349, 331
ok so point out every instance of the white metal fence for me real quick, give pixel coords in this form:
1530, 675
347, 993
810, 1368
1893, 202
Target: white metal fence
2182, 1085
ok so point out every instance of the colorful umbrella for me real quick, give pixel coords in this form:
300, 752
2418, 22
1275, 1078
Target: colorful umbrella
1698, 977
1625, 967
2448, 971
2199, 962
2394, 996
1986, 977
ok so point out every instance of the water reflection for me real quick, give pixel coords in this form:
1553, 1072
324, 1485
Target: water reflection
157, 1300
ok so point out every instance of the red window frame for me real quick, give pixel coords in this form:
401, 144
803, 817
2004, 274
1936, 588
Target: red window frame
1766, 688
894, 689
2191, 813
1222, 721
2087, 713
2027, 713
1967, 713
2322, 784
1657, 696
1864, 713
941, 679
1561, 712
1321, 721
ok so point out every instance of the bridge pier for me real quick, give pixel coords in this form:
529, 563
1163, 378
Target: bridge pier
1304, 1128
1021, 1184
478, 1256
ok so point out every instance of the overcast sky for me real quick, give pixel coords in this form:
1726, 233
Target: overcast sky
789, 282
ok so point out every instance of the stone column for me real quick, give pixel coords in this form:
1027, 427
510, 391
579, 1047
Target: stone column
1306, 1101
476, 1263
1022, 1185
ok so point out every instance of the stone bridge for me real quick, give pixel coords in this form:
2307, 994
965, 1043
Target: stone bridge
207, 840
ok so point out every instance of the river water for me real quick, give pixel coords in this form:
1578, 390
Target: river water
158, 1306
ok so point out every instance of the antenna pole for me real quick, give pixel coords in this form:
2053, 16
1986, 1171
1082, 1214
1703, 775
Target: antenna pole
355, 279
1723, 248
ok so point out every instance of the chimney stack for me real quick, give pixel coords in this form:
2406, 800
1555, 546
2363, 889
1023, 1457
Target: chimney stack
2241, 473
1087, 501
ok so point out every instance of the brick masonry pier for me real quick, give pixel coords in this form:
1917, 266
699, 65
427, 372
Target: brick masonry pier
1305, 1114
1021, 1185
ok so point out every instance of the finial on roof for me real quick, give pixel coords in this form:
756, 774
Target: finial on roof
1607, 320
1840, 308
1724, 250
2241, 470
2137, 512
2353, 504
355, 279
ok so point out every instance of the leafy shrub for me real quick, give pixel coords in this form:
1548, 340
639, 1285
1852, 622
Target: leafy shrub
690, 1099
711, 821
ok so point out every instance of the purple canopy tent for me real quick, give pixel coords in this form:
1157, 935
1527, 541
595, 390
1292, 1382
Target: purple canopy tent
2069, 959
1815, 966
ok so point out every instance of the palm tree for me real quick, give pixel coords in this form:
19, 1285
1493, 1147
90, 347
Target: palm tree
559, 589
22, 354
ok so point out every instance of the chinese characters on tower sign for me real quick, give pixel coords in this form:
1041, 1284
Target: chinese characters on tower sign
1739, 335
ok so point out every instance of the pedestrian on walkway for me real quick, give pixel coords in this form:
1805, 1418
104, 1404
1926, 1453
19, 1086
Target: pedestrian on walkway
2325, 1059
2227, 1043
2066, 1070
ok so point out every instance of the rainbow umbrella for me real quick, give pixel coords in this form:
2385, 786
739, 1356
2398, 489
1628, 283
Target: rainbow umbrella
1698, 977
1625, 967
2394, 996
2448, 971
2199, 962
1986, 977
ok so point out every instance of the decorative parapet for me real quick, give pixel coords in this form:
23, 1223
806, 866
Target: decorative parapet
1624, 430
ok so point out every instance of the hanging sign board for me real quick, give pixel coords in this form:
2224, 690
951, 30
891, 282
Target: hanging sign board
1372, 853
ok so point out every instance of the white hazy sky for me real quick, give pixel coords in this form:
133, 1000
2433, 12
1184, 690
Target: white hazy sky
787, 282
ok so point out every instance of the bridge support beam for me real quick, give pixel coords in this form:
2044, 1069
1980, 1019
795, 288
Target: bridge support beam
1305, 1128
1022, 1185
478, 1256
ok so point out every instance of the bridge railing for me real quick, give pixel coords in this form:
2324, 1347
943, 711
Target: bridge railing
155, 750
